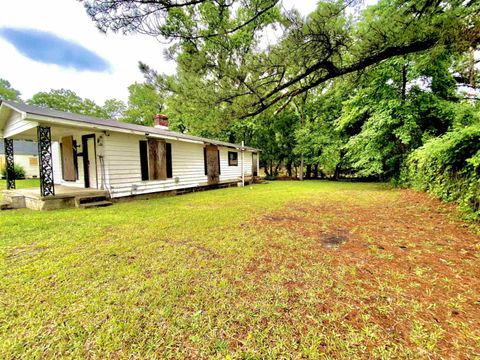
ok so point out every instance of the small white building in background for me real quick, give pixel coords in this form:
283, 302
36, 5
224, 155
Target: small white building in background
121, 158
26, 155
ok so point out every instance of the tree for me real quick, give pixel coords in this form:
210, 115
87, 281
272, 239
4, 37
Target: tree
69, 101
114, 109
394, 109
189, 20
7, 92
144, 102
330, 43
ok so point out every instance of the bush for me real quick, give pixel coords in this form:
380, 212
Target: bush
449, 167
18, 171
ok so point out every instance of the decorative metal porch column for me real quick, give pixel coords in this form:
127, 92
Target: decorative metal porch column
9, 164
46, 163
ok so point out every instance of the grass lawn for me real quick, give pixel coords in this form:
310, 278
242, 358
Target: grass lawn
286, 269
21, 184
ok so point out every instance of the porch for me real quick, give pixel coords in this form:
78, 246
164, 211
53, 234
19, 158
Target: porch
65, 197
69, 155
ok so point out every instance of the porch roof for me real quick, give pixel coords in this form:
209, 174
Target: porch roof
61, 118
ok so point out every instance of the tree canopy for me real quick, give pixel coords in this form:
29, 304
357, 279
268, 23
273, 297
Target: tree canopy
67, 100
7, 92
220, 41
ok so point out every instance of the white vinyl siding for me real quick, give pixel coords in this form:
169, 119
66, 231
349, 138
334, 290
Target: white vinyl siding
122, 163
234, 172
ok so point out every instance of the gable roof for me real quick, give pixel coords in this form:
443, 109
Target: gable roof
111, 123
21, 147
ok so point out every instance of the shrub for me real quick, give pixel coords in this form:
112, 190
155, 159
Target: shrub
18, 171
449, 167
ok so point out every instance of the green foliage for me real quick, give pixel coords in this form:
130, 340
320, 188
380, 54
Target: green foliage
18, 171
69, 101
114, 109
144, 102
7, 92
449, 167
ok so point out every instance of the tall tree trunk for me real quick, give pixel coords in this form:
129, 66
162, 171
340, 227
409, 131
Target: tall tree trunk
336, 174
308, 172
471, 69
404, 78
301, 169
277, 167
289, 168
301, 111
315, 171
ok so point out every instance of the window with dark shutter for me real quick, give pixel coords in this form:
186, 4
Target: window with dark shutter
219, 168
155, 159
232, 158
169, 160
144, 159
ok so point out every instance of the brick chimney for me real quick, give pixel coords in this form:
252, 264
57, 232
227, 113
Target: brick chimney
160, 121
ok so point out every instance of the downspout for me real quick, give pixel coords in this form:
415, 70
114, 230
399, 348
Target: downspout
243, 157
258, 164
101, 156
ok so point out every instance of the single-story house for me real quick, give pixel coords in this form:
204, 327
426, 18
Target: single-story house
120, 159
26, 155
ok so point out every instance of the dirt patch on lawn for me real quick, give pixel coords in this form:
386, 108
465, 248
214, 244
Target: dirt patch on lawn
403, 262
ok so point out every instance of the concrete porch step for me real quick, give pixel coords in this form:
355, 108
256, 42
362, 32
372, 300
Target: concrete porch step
89, 205
94, 200
5, 205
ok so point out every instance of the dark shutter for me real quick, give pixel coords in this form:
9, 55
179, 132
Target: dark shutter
144, 159
205, 160
68, 162
169, 160
218, 157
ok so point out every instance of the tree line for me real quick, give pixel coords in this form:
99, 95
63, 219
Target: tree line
143, 103
385, 92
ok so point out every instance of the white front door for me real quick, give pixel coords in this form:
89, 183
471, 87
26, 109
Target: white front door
92, 163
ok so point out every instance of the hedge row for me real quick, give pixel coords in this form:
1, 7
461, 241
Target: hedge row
449, 167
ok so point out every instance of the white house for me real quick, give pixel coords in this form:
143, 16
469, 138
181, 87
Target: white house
26, 155
80, 152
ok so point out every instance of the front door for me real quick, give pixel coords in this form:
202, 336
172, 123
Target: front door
89, 161
213, 164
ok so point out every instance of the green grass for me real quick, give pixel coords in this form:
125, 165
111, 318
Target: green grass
231, 273
22, 184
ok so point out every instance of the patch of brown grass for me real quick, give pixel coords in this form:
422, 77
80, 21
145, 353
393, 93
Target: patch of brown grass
403, 269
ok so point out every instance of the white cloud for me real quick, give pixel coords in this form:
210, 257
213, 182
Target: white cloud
69, 20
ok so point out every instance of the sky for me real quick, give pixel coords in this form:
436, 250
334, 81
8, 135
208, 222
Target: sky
75, 55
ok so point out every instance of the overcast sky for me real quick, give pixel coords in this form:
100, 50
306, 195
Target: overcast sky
53, 44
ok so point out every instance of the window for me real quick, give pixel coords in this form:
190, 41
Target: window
155, 159
33, 161
232, 158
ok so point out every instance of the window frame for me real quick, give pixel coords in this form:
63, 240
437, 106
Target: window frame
233, 162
